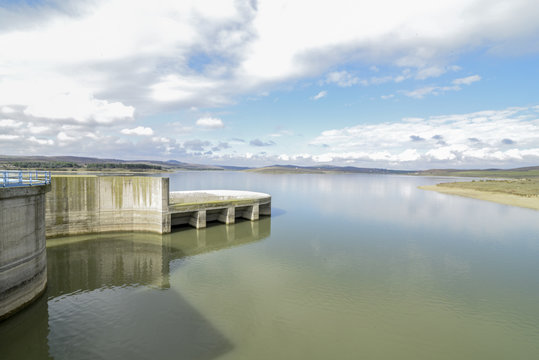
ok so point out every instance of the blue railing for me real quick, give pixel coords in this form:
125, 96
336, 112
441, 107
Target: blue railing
9, 178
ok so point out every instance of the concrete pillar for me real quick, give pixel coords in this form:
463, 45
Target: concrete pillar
198, 219
265, 209
251, 213
227, 216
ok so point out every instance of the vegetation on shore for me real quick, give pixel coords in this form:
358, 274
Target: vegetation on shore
72, 166
42, 165
520, 187
128, 166
519, 192
519, 173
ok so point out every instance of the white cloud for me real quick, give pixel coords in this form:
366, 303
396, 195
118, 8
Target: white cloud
434, 71
139, 130
282, 133
284, 157
342, 78
178, 128
320, 95
47, 142
9, 123
7, 110
416, 33
8, 137
424, 91
437, 90
210, 123
33, 129
64, 138
467, 80
80, 107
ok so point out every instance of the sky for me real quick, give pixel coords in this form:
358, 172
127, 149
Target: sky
389, 84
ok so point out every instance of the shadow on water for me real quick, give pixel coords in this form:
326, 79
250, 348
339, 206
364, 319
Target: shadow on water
108, 297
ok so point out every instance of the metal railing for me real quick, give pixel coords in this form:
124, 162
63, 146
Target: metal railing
10, 178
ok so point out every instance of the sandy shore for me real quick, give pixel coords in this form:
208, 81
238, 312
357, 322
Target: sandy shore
506, 199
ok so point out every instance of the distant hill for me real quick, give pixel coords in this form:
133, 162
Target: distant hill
523, 172
323, 169
76, 163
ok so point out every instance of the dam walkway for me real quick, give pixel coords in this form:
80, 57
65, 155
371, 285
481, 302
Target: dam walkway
196, 208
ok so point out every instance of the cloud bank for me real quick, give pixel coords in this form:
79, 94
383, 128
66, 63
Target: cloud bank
487, 137
76, 79
76, 60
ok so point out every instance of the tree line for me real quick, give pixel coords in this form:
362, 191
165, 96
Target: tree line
42, 165
123, 166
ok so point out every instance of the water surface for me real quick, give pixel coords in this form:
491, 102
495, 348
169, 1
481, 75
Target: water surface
348, 267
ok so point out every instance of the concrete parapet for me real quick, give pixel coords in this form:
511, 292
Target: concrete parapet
23, 257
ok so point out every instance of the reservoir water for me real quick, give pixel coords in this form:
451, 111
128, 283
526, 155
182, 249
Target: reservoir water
347, 267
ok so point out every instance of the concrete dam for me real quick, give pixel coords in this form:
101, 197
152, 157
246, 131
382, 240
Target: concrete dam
23, 256
94, 204
76, 205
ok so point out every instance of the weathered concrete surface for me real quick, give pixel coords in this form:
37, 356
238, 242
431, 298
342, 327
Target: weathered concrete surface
199, 207
23, 258
93, 204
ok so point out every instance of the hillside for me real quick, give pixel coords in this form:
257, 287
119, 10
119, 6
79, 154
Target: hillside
75, 163
325, 169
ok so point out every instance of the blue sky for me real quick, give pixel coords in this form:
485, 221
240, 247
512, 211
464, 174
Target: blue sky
401, 85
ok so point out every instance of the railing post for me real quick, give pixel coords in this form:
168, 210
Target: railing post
20, 176
4, 177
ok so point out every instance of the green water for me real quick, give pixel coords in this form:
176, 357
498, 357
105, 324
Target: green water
348, 267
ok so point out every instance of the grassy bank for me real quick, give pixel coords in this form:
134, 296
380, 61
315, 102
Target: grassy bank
532, 172
520, 192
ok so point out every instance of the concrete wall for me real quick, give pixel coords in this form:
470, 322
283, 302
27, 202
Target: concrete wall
23, 259
93, 204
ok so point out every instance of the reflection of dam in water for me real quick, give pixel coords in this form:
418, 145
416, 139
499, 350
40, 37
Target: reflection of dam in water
132, 259
87, 271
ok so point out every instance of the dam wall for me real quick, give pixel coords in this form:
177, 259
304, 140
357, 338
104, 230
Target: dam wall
23, 256
94, 204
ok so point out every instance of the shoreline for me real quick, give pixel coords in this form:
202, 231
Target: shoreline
497, 197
